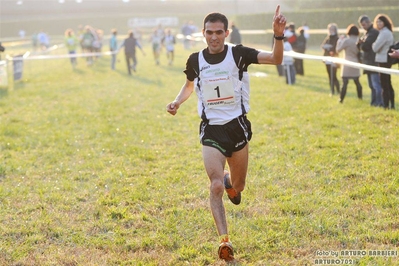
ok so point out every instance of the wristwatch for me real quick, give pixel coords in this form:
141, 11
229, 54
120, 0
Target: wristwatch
279, 37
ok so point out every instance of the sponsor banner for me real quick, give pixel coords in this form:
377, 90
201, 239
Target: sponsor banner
153, 22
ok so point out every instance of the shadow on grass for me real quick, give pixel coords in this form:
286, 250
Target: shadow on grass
18, 85
79, 71
172, 68
136, 76
316, 84
101, 65
3, 92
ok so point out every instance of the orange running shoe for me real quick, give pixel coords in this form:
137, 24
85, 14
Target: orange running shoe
231, 192
226, 251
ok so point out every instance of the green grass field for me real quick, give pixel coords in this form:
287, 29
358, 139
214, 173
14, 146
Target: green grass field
93, 171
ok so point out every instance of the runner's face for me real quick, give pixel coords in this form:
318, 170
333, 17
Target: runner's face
215, 35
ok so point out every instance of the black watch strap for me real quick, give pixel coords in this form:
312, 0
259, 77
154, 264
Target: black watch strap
279, 37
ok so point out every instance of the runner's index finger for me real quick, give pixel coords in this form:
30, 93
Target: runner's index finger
278, 10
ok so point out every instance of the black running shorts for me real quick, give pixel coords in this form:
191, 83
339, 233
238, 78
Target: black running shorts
227, 138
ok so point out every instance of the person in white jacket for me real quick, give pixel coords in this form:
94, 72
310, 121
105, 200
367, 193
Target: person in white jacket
381, 48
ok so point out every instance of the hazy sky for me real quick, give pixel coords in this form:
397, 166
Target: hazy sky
23, 9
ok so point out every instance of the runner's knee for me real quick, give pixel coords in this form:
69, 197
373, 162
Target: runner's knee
217, 187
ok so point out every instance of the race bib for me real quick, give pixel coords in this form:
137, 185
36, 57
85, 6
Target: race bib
218, 91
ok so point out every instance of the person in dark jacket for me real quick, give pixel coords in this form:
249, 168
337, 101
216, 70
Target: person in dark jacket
293, 37
300, 47
368, 58
329, 46
235, 35
130, 45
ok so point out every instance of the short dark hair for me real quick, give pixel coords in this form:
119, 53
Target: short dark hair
352, 30
363, 18
216, 17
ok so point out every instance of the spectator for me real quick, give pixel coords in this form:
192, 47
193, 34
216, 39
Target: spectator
288, 61
71, 42
186, 30
368, 57
348, 45
381, 47
43, 39
87, 43
113, 47
235, 35
156, 41
293, 40
130, 45
169, 41
34, 41
21, 34
293, 37
300, 48
305, 27
329, 46
80, 32
193, 29
160, 32
138, 35
98, 41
